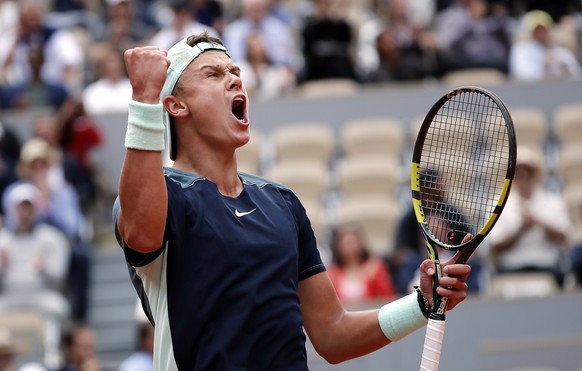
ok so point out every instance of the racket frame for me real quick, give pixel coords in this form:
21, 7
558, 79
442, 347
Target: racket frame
436, 326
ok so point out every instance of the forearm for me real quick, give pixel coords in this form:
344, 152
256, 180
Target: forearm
143, 199
358, 333
355, 334
142, 187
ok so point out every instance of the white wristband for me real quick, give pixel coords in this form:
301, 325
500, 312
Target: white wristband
145, 126
401, 317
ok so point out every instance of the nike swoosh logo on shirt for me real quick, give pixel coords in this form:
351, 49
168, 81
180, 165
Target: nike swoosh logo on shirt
240, 214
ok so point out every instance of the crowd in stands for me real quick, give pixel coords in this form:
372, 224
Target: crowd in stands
52, 51
67, 56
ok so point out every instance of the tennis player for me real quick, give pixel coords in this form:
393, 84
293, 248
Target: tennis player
225, 263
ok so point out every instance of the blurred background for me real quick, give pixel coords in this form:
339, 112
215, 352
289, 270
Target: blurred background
338, 90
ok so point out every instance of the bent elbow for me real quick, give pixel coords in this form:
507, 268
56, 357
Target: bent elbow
142, 242
330, 356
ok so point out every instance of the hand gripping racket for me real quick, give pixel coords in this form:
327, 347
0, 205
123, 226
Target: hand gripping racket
462, 168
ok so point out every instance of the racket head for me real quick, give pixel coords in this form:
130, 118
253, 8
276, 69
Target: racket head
463, 164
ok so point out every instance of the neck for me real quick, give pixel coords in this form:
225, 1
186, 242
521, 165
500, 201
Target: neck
222, 173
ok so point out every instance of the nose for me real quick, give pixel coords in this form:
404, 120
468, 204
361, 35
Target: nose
235, 81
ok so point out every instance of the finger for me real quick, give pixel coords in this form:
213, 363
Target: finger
454, 289
461, 271
454, 296
452, 283
467, 238
456, 269
427, 266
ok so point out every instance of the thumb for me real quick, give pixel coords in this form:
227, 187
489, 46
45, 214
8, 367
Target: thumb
427, 272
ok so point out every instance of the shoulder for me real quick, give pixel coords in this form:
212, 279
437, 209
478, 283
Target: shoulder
251, 179
266, 184
182, 178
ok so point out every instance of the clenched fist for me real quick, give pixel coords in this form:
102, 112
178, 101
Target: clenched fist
146, 67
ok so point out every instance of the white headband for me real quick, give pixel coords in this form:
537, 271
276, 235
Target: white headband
180, 56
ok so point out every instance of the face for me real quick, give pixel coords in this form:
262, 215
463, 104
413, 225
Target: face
350, 245
542, 34
213, 103
26, 215
525, 179
83, 348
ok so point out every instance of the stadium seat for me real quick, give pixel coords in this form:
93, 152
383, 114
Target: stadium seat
519, 285
474, 77
531, 127
309, 180
573, 198
324, 88
316, 213
570, 164
36, 337
249, 156
568, 124
368, 176
377, 216
377, 136
311, 141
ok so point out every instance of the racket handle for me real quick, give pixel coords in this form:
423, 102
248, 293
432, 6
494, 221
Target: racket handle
433, 342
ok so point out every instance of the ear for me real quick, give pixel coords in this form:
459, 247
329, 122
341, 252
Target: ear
175, 106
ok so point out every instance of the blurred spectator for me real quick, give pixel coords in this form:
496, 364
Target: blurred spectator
9, 154
396, 63
58, 205
180, 26
8, 30
63, 54
398, 33
58, 202
68, 5
531, 234
34, 258
111, 91
263, 79
78, 348
277, 35
537, 57
124, 29
326, 40
209, 13
357, 275
74, 134
410, 248
576, 263
35, 91
29, 30
283, 11
473, 34
142, 359
556, 9
8, 350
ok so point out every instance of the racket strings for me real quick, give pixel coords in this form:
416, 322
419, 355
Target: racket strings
466, 148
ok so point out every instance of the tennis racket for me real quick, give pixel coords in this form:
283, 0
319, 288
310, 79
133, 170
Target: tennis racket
462, 168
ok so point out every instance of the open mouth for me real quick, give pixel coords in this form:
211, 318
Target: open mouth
238, 108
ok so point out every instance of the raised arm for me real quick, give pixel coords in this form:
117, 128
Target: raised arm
142, 189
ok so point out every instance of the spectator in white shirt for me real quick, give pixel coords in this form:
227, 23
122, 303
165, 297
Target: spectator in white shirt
532, 232
537, 57
34, 259
111, 92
